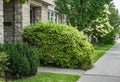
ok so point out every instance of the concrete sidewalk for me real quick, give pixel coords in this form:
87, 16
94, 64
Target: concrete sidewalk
61, 70
106, 69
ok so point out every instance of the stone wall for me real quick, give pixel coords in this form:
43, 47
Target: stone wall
17, 16
44, 13
1, 22
25, 14
9, 21
22, 19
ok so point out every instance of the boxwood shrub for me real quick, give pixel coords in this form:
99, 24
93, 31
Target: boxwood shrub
60, 45
23, 59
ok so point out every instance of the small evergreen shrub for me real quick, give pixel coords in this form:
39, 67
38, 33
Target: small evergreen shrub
60, 45
23, 59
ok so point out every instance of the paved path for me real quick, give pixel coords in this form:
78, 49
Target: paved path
106, 69
61, 70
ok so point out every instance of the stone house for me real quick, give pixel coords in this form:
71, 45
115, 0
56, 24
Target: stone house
54, 15
15, 16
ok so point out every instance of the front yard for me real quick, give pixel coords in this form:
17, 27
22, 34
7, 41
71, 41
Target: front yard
50, 77
53, 77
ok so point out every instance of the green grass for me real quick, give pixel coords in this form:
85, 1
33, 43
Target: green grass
100, 51
50, 77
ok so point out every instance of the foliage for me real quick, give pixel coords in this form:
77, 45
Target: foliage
22, 1
108, 39
114, 18
101, 26
3, 59
51, 77
23, 59
80, 13
60, 45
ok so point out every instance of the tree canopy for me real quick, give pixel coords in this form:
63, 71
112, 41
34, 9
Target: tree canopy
101, 26
114, 18
96, 18
80, 13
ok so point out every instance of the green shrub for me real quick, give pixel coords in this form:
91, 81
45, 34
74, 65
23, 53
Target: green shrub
3, 59
23, 59
60, 45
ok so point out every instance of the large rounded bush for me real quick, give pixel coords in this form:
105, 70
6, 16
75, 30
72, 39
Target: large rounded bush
60, 45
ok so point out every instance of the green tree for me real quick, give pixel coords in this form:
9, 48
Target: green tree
80, 13
114, 18
101, 26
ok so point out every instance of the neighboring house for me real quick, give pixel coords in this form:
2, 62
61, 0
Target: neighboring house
14, 16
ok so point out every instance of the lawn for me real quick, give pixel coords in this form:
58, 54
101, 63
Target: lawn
100, 51
54, 77
50, 77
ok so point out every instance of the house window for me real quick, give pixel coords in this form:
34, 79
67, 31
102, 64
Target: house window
53, 17
56, 18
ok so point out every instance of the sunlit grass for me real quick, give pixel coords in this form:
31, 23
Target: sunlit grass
50, 77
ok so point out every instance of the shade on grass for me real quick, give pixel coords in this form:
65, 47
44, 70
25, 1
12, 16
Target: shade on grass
50, 77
